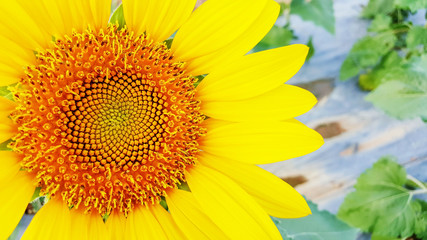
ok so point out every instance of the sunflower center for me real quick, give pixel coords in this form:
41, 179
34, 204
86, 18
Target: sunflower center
107, 121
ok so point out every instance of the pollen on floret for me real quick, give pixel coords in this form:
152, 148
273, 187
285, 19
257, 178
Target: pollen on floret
107, 120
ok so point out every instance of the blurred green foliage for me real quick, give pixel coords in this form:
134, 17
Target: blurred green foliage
277, 37
319, 12
391, 60
321, 225
403, 91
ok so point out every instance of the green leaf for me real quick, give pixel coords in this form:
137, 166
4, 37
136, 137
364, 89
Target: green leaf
164, 204
413, 5
421, 224
321, 225
404, 91
4, 92
277, 37
320, 12
380, 204
36, 194
311, 50
3, 146
370, 81
376, 7
376, 237
199, 79
168, 42
367, 52
400, 100
374, 78
380, 23
416, 36
284, 7
118, 17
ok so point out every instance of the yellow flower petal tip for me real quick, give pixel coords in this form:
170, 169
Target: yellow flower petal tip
108, 122
258, 142
282, 103
253, 74
304, 209
275, 196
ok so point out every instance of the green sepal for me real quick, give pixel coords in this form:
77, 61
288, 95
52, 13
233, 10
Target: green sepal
311, 49
118, 17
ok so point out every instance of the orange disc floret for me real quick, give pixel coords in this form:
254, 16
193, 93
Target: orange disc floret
107, 120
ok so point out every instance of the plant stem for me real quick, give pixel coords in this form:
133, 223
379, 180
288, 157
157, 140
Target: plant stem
417, 182
419, 191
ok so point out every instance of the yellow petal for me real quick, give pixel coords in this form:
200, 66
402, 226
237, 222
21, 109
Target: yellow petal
279, 104
10, 74
46, 13
13, 59
213, 123
15, 195
253, 74
87, 226
214, 25
239, 46
7, 79
6, 107
9, 166
53, 221
16, 25
116, 225
160, 19
78, 14
20, 35
190, 218
61, 17
80, 225
229, 206
277, 197
260, 142
5, 132
97, 228
100, 11
29, 25
168, 225
7, 129
143, 225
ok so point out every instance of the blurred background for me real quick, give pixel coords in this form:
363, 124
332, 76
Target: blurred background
369, 72
368, 68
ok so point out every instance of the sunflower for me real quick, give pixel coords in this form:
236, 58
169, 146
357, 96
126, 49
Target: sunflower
115, 127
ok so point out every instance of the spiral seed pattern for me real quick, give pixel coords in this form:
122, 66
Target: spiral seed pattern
107, 120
